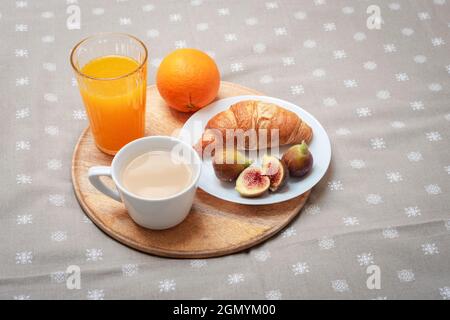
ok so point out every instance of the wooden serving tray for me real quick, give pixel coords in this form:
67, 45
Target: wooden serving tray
213, 228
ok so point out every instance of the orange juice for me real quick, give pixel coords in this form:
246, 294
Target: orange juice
113, 90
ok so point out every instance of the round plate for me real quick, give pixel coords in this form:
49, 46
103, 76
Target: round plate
320, 148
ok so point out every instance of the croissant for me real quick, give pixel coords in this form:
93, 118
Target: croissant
252, 115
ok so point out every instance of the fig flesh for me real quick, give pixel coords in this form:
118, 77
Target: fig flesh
298, 160
276, 170
252, 183
229, 163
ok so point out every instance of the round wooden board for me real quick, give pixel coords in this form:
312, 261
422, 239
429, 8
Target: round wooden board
213, 228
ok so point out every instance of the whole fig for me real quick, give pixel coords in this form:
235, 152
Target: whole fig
298, 160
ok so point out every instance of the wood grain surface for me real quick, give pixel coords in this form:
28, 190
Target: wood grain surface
213, 228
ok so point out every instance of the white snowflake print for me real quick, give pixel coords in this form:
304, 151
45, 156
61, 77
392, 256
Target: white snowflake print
447, 67
47, 14
326, 243
266, 79
329, 102
50, 97
51, 130
59, 236
383, 94
365, 259
420, 59
433, 189
289, 232
319, 73
309, 44
23, 179
58, 277
179, 44
297, 89
273, 295
196, 3
335, 185
447, 117
397, 124
350, 221
259, 48
343, 132
167, 285
401, 77
230, 37
389, 48
405, 275
98, 11
300, 268
58, 200
271, 5
435, 87
23, 145
96, 294
130, 269
22, 113
348, 10
339, 54
21, 53
412, 212
351, 83
439, 2
21, 27
252, 21
235, 278
262, 255
79, 114
319, 2
300, 15
223, 12
74, 82
49, 66
423, 16
199, 263
237, 67
152, 33
23, 81
357, 164
394, 177
94, 254
24, 257
21, 4
417, 105
377, 143
22, 297
370, 65
359, 36
445, 293
447, 169
390, 233
430, 249
202, 26
175, 17
124, 21
374, 199
312, 209
54, 164
437, 42
340, 286
407, 32
280, 31
433, 136
364, 112
331, 26
48, 39
288, 61
24, 219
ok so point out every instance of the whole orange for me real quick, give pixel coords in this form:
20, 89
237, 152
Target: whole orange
188, 79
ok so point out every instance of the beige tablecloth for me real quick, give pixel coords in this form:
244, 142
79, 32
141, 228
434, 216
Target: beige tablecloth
381, 94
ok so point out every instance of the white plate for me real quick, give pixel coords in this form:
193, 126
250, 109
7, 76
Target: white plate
319, 147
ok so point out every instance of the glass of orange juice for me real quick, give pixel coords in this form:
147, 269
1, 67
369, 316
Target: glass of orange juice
111, 71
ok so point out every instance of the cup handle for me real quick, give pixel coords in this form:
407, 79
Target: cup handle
94, 175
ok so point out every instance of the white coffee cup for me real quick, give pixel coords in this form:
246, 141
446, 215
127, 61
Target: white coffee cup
150, 213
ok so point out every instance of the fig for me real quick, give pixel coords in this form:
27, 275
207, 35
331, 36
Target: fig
229, 163
252, 183
298, 160
276, 170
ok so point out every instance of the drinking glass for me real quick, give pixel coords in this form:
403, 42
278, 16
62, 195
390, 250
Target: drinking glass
114, 89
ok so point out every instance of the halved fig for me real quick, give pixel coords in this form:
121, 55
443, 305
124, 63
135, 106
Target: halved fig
252, 183
229, 163
276, 170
